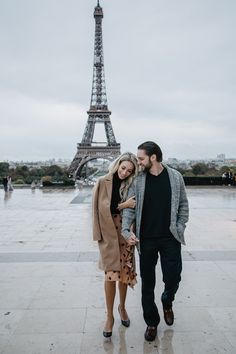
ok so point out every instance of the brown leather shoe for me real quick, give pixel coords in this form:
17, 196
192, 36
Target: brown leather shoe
150, 333
168, 316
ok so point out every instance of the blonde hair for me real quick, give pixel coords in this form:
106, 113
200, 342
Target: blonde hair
125, 184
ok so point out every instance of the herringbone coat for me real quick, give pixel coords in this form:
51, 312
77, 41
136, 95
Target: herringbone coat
179, 206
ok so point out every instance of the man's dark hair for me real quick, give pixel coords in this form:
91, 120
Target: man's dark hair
151, 148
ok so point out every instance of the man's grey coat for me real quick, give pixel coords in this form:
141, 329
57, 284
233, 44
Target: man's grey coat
179, 206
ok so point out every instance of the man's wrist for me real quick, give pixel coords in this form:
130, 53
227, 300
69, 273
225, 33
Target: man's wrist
126, 235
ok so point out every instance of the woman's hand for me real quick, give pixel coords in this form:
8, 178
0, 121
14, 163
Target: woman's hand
132, 240
129, 203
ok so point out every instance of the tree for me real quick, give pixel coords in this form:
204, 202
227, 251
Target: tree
199, 169
212, 171
22, 171
224, 169
4, 168
54, 171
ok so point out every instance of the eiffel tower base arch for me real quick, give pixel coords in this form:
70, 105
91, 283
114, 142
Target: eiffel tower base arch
87, 153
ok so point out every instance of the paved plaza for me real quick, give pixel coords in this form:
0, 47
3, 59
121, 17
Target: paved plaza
51, 290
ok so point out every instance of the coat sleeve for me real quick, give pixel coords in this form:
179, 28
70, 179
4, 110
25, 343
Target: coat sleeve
128, 215
97, 235
183, 210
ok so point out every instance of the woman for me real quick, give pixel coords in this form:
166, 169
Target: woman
116, 257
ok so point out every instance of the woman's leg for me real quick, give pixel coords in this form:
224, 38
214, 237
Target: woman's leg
123, 292
110, 292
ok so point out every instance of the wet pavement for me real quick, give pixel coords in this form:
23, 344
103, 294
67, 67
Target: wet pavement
51, 291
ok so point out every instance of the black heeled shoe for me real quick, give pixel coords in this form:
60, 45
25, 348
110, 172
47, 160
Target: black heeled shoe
125, 323
108, 334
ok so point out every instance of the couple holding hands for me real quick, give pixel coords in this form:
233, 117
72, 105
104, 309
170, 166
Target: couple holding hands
149, 209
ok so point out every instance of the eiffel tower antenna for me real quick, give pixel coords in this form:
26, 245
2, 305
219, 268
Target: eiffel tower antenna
98, 113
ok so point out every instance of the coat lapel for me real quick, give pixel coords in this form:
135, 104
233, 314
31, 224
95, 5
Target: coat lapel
108, 183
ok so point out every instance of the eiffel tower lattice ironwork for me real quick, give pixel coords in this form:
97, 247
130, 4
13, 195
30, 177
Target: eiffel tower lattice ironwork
98, 113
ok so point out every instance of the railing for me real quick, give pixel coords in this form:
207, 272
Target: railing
208, 181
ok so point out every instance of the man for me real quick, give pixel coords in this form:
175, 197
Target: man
160, 216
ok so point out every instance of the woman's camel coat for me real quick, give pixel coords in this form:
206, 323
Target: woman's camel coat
104, 230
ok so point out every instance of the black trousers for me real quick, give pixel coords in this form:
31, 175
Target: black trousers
169, 250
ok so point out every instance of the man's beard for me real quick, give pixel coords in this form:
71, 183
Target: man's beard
148, 166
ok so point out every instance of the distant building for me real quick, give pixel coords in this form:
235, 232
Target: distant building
220, 157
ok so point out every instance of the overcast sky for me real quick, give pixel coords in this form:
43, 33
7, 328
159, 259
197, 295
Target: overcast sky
169, 68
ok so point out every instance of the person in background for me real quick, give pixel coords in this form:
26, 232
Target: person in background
116, 256
5, 183
9, 184
33, 185
161, 214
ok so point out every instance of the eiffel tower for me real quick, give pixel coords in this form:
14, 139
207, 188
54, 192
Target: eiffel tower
98, 113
